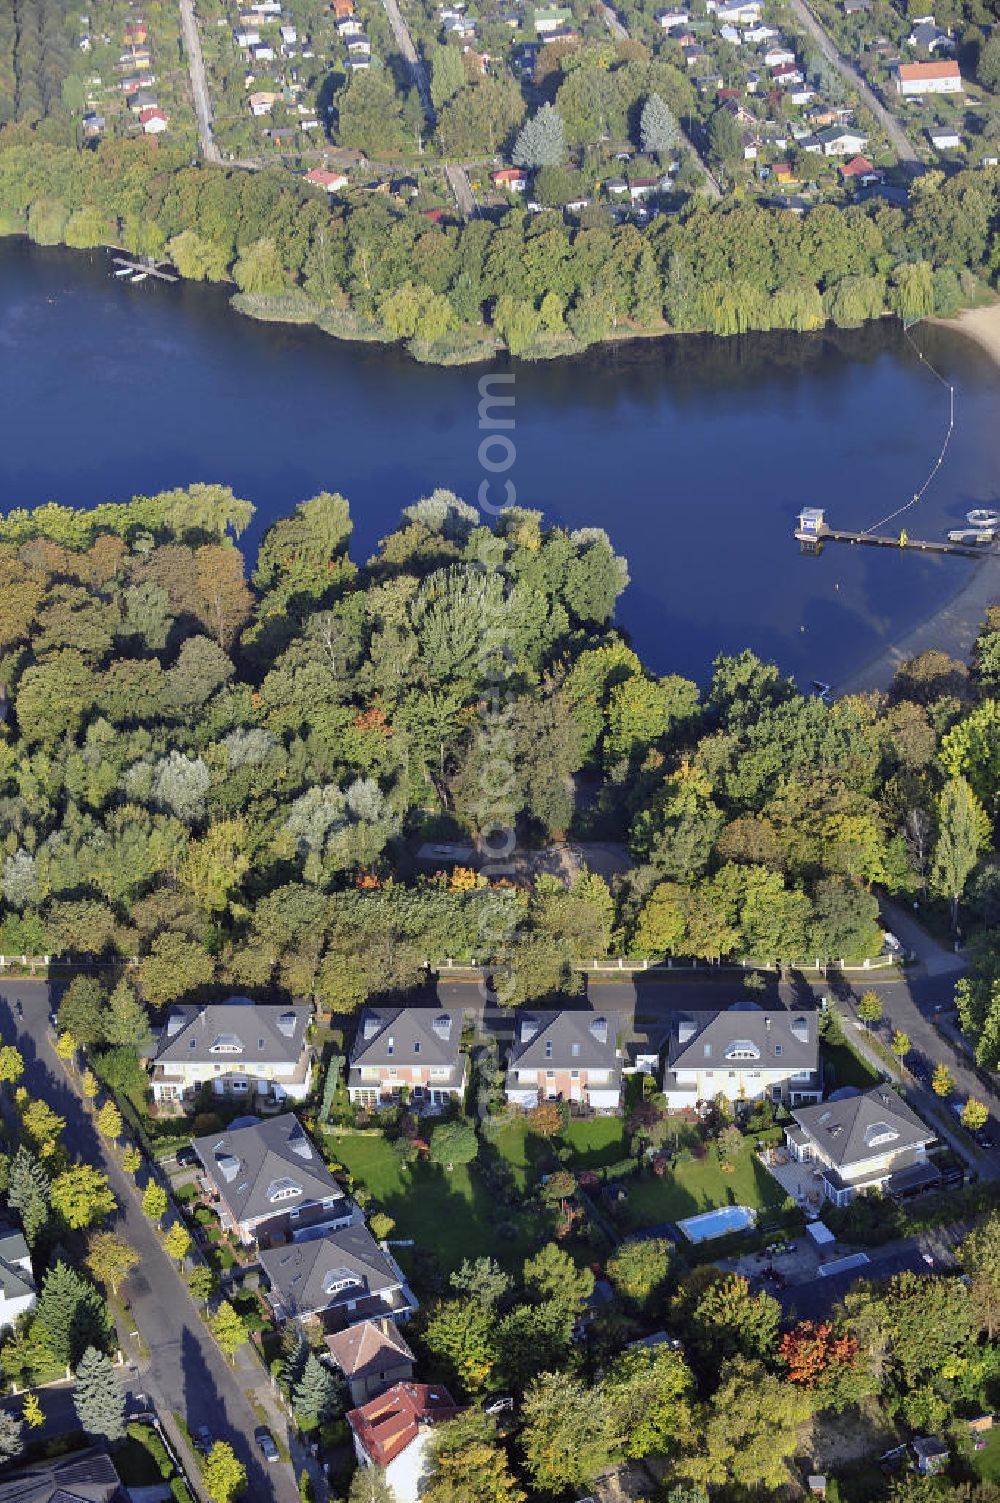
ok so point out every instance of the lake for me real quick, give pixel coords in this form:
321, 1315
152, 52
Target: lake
695, 454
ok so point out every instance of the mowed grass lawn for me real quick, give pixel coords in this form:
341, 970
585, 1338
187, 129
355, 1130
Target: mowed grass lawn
700, 1185
595, 1142
986, 1463
451, 1214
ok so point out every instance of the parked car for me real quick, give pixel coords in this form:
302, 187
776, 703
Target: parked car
202, 1439
502, 1405
982, 1138
184, 1157
265, 1442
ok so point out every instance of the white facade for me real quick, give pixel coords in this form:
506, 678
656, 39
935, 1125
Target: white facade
868, 1174
919, 82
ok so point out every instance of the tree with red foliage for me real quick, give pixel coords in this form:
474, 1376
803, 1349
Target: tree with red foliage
823, 1361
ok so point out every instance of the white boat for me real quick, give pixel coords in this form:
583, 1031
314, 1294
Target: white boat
140, 276
123, 271
982, 516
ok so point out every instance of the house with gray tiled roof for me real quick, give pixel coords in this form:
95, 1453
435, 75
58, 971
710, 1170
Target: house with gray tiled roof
864, 1140
268, 1182
411, 1049
17, 1280
343, 1276
744, 1053
564, 1056
82, 1477
238, 1046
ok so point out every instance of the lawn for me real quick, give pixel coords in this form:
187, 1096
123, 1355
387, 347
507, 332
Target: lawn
694, 1185
453, 1214
986, 1463
842, 1067
595, 1142
528, 1155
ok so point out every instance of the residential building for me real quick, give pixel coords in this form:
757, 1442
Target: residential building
928, 37
841, 141
668, 19
564, 1056
392, 1432
514, 179
321, 177
945, 140
737, 12
407, 1048
927, 78
262, 103
744, 1053
269, 1183
861, 171
240, 1047
787, 73
81, 1477
863, 1141
343, 1276
372, 1356
555, 19
775, 56
17, 1279
153, 121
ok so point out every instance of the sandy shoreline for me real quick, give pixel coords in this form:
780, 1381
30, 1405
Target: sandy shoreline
981, 325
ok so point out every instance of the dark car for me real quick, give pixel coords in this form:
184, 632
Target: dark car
265, 1442
202, 1439
185, 1156
982, 1138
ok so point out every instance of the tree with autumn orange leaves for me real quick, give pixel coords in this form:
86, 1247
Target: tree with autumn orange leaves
825, 1362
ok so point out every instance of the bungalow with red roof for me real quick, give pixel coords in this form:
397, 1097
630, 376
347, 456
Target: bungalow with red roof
860, 170
153, 121
322, 177
392, 1432
512, 178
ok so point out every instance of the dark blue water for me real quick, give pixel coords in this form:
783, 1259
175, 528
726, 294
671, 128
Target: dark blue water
694, 454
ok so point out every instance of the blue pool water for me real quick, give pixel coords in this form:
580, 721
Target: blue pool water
717, 1223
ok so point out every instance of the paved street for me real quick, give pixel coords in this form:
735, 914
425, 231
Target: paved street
187, 1374
199, 82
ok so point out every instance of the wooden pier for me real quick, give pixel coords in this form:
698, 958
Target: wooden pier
814, 531
151, 268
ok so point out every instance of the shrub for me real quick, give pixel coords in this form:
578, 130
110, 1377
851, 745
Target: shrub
180, 1490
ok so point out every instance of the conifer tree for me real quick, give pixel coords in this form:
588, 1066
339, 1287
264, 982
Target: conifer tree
659, 133
316, 1395
541, 141
29, 1193
98, 1397
11, 1442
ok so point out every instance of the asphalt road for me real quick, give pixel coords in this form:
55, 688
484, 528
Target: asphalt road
187, 1374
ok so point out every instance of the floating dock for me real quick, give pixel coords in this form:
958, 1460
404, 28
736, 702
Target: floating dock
145, 268
813, 531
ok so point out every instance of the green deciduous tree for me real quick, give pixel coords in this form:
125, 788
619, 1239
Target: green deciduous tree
81, 1195
229, 1330
224, 1475
466, 1464
566, 1435
110, 1259
453, 1143
962, 832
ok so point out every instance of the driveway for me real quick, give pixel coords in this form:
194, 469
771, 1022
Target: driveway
187, 1374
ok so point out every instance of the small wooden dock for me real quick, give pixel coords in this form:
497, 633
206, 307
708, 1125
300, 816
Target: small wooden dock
813, 531
161, 269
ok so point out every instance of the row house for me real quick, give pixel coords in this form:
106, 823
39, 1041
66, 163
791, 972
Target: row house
407, 1048
564, 1056
744, 1053
239, 1047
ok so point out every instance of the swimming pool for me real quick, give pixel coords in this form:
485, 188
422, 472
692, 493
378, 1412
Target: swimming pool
717, 1223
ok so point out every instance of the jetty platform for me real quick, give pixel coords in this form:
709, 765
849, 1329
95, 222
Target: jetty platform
813, 530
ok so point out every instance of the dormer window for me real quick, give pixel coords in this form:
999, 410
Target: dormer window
742, 1049
879, 1133
283, 1189
416, 1046
226, 1043
339, 1279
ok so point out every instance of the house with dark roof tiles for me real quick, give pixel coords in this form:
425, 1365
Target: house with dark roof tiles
411, 1049
269, 1183
240, 1047
861, 1141
743, 1053
564, 1056
343, 1276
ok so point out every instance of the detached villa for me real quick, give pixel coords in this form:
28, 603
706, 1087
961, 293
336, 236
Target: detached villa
17, 1281
269, 1183
744, 1054
414, 1048
864, 1141
392, 1432
344, 1277
372, 1357
240, 1047
564, 1056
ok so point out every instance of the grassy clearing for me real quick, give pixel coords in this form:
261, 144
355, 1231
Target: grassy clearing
451, 1214
595, 1142
845, 1068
